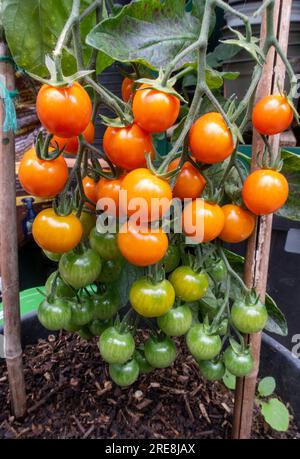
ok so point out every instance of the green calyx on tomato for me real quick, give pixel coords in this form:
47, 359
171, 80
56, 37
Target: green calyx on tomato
188, 284
176, 322
111, 271
105, 244
238, 363
124, 374
171, 259
249, 317
80, 268
54, 313
201, 344
97, 326
106, 304
213, 370
144, 365
116, 346
160, 353
62, 290
151, 299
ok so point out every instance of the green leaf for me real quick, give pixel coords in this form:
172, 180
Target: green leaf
275, 414
229, 380
32, 28
130, 273
291, 170
221, 54
266, 386
147, 31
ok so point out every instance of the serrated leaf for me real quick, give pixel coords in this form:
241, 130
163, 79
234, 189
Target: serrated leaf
275, 414
266, 386
221, 54
229, 380
147, 31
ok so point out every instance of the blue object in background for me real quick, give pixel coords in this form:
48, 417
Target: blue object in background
29, 218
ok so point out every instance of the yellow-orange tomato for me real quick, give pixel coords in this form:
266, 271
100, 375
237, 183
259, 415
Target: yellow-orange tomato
203, 220
55, 233
272, 115
41, 178
239, 224
142, 246
66, 111
189, 182
265, 191
110, 188
210, 139
90, 189
127, 89
70, 145
145, 191
127, 147
155, 111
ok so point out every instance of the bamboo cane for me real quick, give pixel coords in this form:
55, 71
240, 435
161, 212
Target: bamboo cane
258, 250
9, 254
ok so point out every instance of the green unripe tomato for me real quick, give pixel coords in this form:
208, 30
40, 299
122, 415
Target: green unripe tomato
189, 285
249, 317
176, 322
160, 353
202, 345
238, 364
124, 374
211, 370
116, 346
105, 244
171, 259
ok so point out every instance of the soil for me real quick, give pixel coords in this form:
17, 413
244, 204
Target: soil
70, 395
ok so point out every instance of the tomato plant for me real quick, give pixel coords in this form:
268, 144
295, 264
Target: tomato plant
106, 304
238, 363
127, 89
272, 115
160, 353
265, 191
116, 346
66, 111
124, 374
90, 188
141, 246
128, 146
54, 313
111, 271
82, 312
70, 144
151, 299
154, 111
56, 233
188, 284
176, 321
110, 189
211, 369
202, 344
80, 268
172, 258
62, 289
42, 178
97, 326
105, 244
144, 365
206, 215
189, 182
249, 316
239, 224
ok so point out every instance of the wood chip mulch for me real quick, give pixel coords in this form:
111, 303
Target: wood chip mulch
70, 395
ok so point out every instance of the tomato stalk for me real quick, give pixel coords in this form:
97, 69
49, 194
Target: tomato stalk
231, 270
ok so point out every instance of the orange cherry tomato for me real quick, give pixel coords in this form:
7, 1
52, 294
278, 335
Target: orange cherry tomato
66, 111
210, 139
142, 246
189, 182
127, 89
110, 188
41, 178
127, 147
207, 217
272, 115
90, 189
239, 224
55, 233
70, 145
265, 191
154, 193
155, 111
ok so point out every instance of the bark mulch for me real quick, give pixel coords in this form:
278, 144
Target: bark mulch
70, 395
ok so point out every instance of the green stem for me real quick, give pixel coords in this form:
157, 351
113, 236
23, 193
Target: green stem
231, 270
243, 17
224, 304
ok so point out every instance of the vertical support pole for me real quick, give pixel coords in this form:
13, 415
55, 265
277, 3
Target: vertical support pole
9, 253
258, 250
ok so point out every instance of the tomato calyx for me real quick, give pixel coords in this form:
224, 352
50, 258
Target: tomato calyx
159, 85
42, 148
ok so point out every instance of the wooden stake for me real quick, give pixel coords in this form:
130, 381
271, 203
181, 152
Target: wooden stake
258, 250
9, 254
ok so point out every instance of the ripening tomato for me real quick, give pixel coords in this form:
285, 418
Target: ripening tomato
155, 111
239, 224
55, 233
203, 220
151, 299
272, 115
90, 189
127, 89
189, 182
41, 178
65, 112
265, 191
210, 139
127, 146
70, 145
142, 246
110, 189
147, 193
